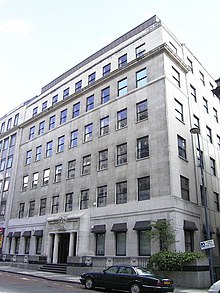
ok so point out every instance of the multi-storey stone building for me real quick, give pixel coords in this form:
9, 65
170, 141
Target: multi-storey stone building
106, 149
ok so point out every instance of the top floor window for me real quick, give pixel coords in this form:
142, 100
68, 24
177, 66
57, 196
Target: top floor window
106, 69
16, 119
202, 78
76, 109
91, 78
44, 106
35, 110
66, 93
63, 116
78, 86
2, 127
140, 50
141, 78
9, 123
54, 100
176, 76
190, 64
122, 61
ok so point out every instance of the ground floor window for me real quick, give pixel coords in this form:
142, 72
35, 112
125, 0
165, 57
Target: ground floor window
121, 243
9, 244
27, 245
17, 243
100, 244
38, 244
144, 243
189, 241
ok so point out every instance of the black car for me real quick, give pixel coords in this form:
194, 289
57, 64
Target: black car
128, 278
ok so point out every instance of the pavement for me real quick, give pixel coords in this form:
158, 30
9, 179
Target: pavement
72, 279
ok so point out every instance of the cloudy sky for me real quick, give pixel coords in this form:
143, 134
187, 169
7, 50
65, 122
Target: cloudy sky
41, 39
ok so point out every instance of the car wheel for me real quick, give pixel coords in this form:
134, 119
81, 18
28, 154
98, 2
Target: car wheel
135, 288
89, 283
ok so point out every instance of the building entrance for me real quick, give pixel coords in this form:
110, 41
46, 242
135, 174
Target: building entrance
63, 249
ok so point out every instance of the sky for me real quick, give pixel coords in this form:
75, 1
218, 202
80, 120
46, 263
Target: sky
41, 39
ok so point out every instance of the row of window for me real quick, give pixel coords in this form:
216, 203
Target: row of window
10, 123
14, 249
7, 142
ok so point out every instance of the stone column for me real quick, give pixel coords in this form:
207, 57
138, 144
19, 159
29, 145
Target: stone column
49, 248
55, 249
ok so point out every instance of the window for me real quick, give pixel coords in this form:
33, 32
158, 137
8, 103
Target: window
144, 188
66, 93
2, 127
91, 78
38, 153
189, 240
122, 87
44, 106
140, 50
144, 244
41, 127
35, 110
142, 110
39, 240
17, 244
122, 119
35, 179
76, 109
16, 119
9, 124
5, 144
105, 95
196, 121
106, 69
28, 157
122, 61
73, 138
176, 76
21, 210
88, 132
43, 203
202, 78
100, 244
184, 184
3, 208
52, 122
0, 145
181, 147
216, 201
215, 114
173, 47
25, 183
190, 64
71, 169
141, 78
31, 208
212, 166
142, 147
122, 154
90, 103
84, 199
193, 93
120, 243
31, 133
54, 100
69, 202
9, 162
27, 245
103, 159
218, 141
55, 204
104, 125
78, 86
102, 196
209, 134
13, 140
121, 192
178, 110
63, 116
58, 173
86, 167
6, 184
46, 176
60, 145
2, 164
49, 148
205, 105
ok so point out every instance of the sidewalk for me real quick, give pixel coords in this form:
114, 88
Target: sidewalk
71, 278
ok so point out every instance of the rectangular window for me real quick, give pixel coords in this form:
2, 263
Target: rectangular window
9, 124
78, 86
43, 203
35, 180
184, 185
122, 119
181, 147
63, 116
212, 167
46, 176
38, 153
55, 204
66, 93
28, 157
140, 50
193, 93
2, 164
216, 201
179, 110
31, 132
2, 208
2, 127
176, 76
39, 241
17, 244
141, 78
69, 202
90, 103
143, 147
189, 241
218, 141
52, 122
9, 162
104, 125
122, 154
120, 243
12, 140
122, 61
142, 110
206, 105
190, 64
102, 196
76, 109
215, 114
121, 192
173, 47
16, 119
21, 210
60, 145
144, 188
91, 78
122, 87
35, 110
71, 169
58, 173
6, 184
209, 134
31, 208
196, 121
86, 167
73, 138
41, 127
105, 95
5, 144
54, 100
49, 148
25, 183
44, 106
144, 244
100, 244
202, 78
103, 159
84, 199
88, 132
27, 245
106, 69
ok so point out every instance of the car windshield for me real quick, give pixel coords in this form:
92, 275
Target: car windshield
143, 271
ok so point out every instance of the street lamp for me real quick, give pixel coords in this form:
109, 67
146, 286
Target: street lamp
196, 130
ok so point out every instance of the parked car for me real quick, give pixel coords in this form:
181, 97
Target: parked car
215, 288
127, 278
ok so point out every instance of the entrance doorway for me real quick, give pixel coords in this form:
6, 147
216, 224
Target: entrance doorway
63, 249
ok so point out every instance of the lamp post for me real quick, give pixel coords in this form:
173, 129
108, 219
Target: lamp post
196, 130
